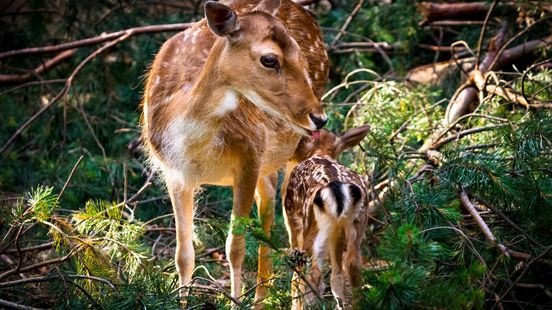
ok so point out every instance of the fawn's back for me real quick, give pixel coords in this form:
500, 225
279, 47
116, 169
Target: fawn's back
326, 208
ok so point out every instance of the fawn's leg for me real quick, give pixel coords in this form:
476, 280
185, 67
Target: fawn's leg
182, 199
353, 258
336, 248
264, 197
319, 254
245, 181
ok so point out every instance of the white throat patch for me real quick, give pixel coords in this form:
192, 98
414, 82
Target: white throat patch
228, 104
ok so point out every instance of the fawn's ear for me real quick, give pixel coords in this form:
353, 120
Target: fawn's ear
269, 6
304, 149
221, 19
351, 138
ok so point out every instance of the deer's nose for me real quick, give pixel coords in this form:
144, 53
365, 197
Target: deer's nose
318, 120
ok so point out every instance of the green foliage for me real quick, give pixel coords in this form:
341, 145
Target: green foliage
423, 250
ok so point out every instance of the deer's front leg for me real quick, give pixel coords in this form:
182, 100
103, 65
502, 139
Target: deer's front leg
244, 190
264, 197
182, 199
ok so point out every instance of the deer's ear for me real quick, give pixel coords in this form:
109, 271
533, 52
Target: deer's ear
269, 6
351, 138
222, 20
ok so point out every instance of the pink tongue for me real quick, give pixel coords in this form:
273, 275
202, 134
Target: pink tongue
315, 134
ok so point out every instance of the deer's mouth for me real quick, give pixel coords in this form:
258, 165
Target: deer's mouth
313, 134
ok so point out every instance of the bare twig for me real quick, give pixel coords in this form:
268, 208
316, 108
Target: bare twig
81, 110
536, 286
70, 177
482, 33
45, 82
146, 185
509, 221
40, 264
96, 40
347, 22
466, 203
13, 305
518, 279
40, 247
464, 133
49, 64
524, 77
444, 23
65, 89
55, 277
472, 247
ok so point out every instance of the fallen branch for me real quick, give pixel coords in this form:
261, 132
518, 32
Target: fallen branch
41, 264
446, 23
13, 305
435, 73
536, 286
468, 205
460, 105
464, 133
518, 279
433, 12
40, 247
382, 45
498, 212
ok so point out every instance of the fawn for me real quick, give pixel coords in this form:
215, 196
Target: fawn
326, 212
226, 103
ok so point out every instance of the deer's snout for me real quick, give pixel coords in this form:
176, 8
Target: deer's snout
319, 120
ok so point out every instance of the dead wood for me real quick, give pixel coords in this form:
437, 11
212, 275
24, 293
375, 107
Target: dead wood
472, 11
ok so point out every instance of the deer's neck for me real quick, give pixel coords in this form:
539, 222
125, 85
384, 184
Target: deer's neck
211, 97
193, 131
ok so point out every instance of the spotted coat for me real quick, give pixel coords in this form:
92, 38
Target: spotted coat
305, 180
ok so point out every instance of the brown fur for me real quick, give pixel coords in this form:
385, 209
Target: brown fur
194, 138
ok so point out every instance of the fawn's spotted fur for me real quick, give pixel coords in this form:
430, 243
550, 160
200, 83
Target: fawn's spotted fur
326, 213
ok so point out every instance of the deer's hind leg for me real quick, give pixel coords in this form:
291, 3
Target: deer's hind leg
265, 195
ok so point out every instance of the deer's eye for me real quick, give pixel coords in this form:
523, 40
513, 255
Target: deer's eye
269, 61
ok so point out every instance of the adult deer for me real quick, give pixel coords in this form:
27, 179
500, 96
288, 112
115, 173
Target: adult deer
226, 103
326, 213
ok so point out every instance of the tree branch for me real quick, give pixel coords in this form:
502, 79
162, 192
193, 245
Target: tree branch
49, 64
13, 305
127, 34
104, 37
468, 205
